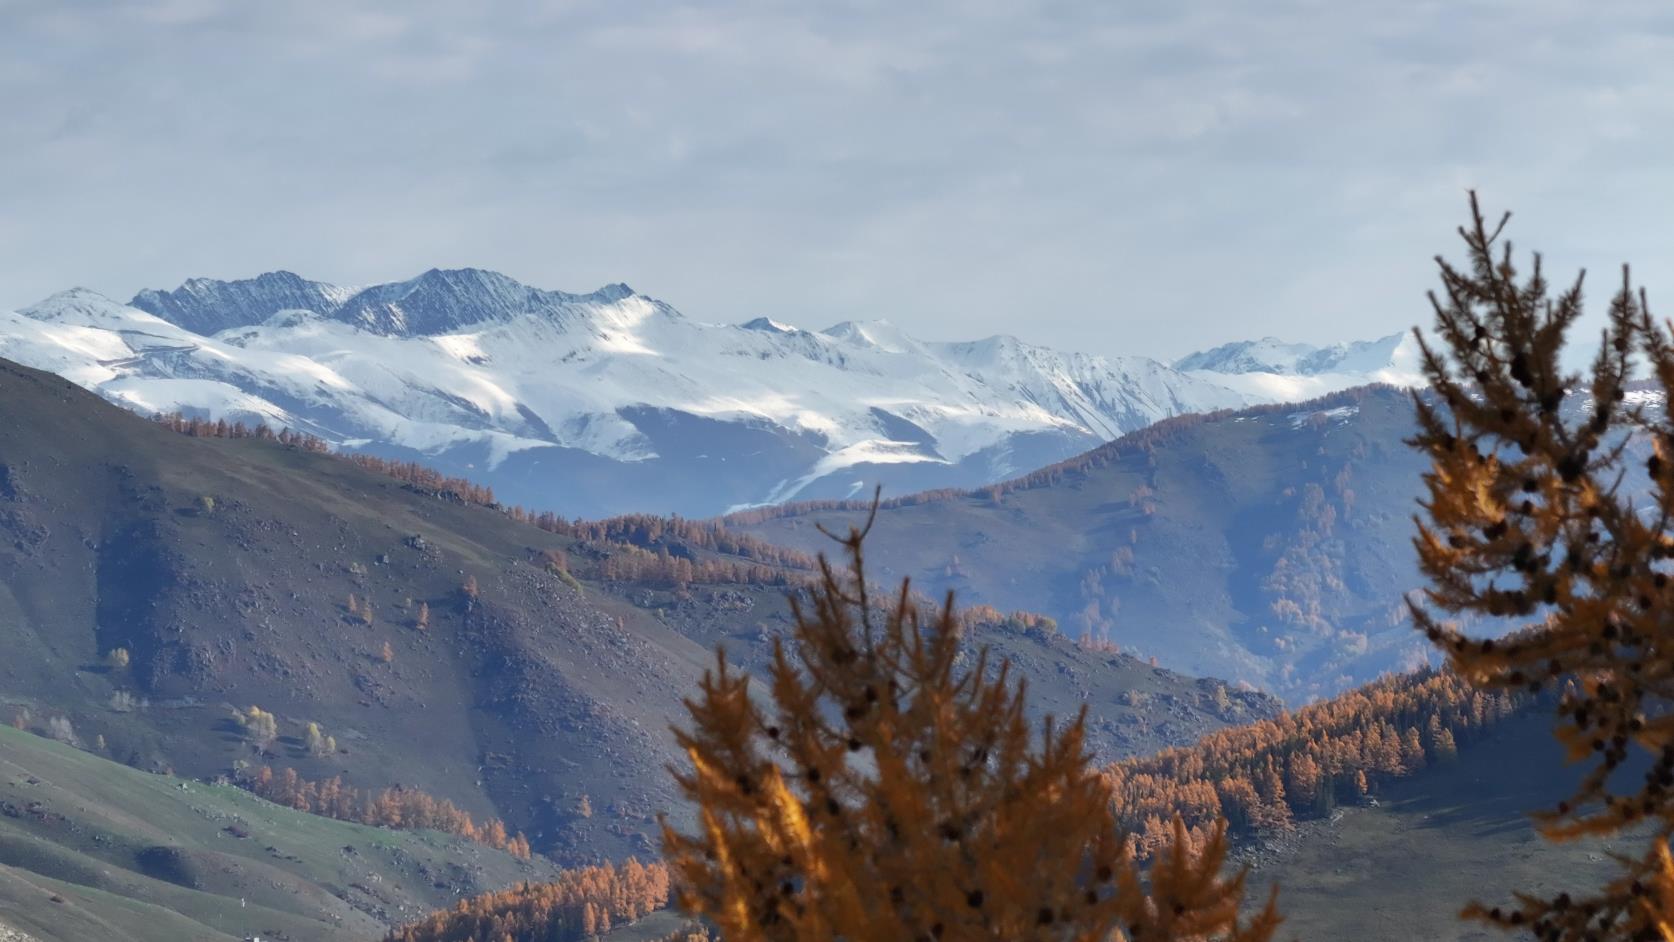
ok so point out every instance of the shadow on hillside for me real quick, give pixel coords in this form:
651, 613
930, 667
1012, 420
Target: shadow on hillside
1518, 770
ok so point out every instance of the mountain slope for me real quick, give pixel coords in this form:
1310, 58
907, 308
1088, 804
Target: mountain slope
91, 849
1380, 812
439, 642
1270, 545
609, 402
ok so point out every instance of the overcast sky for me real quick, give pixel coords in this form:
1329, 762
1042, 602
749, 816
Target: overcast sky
1114, 177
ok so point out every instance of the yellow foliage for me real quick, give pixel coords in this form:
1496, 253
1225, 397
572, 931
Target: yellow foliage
260, 727
895, 792
317, 742
1528, 515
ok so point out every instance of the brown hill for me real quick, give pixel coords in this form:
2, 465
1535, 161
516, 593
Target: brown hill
240, 572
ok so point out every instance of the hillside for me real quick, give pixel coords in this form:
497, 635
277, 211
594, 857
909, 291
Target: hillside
1401, 869
92, 849
1269, 546
1379, 813
436, 641
1435, 817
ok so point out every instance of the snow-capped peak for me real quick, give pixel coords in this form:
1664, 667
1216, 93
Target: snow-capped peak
1267, 355
1278, 371
1396, 351
1272, 355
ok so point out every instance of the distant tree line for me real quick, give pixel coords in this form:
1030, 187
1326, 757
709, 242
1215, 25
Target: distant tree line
580, 904
427, 478
640, 566
649, 530
221, 428
1263, 776
972, 616
398, 808
614, 540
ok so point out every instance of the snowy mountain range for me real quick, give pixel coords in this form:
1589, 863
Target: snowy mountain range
612, 401
1270, 369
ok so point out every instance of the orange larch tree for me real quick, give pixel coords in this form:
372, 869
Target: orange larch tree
1536, 510
892, 792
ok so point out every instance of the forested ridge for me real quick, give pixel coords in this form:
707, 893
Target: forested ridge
400, 808
437, 639
629, 548
1264, 776
1139, 441
580, 904
1260, 779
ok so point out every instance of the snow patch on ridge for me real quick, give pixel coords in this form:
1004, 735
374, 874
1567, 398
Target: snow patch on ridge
875, 451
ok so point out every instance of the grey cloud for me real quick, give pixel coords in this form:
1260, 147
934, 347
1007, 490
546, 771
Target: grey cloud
1135, 177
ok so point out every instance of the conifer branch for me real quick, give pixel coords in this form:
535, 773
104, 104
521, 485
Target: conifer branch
1529, 514
889, 793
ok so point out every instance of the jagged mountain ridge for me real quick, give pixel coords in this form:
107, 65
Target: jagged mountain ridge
604, 402
435, 302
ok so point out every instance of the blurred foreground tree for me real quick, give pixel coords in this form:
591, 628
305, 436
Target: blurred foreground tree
893, 793
1529, 515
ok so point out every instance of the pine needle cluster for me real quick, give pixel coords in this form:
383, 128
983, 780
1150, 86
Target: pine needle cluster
894, 791
1531, 513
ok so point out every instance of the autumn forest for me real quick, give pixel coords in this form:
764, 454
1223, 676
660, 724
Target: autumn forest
885, 780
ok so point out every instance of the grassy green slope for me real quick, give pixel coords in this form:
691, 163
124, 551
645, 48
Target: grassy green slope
92, 849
